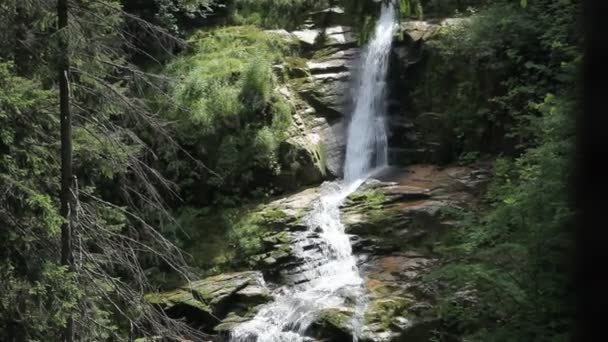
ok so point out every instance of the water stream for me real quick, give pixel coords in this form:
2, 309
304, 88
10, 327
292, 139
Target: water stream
332, 279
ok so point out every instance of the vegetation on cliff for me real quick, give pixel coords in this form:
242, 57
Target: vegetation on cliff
511, 85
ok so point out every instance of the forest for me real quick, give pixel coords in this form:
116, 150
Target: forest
288, 170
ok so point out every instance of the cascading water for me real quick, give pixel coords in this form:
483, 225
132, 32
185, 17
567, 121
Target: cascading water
330, 268
367, 145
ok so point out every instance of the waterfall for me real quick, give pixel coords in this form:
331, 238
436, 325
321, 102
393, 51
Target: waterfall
330, 268
366, 146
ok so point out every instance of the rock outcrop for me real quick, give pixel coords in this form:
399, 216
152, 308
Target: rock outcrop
215, 303
321, 79
394, 222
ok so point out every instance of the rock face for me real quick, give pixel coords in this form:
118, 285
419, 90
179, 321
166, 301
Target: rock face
416, 135
394, 222
327, 90
321, 78
302, 155
213, 303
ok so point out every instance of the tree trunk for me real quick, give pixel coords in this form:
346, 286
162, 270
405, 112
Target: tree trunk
66, 148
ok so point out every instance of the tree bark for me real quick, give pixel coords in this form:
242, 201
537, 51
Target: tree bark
66, 149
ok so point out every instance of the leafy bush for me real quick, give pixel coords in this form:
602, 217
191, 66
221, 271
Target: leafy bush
514, 257
491, 67
510, 280
227, 114
219, 239
256, 86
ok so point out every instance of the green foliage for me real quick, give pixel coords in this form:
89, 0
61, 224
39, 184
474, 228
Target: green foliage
27, 152
288, 14
515, 68
514, 258
228, 114
38, 294
282, 117
491, 67
256, 86
34, 289
409, 8
44, 302
222, 239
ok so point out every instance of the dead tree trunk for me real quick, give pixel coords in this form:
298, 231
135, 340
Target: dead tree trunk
66, 148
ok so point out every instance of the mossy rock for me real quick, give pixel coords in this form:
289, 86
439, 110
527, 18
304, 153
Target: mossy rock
231, 321
207, 301
367, 213
302, 162
333, 325
296, 67
385, 310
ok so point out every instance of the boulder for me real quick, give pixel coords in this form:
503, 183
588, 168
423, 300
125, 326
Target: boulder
329, 96
340, 35
302, 160
418, 30
333, 325
307, 38
334, 146
206, 302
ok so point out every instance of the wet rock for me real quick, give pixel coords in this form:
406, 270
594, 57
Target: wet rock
205, 302
333, 325
229, 323
302, 162
334, 147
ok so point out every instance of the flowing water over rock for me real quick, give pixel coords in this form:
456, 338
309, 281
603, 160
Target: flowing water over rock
367, 146
328, 276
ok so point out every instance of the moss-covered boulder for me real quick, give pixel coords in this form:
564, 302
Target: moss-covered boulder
206, 302
333, 324
303, 161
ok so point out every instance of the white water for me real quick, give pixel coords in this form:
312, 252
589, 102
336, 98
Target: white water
330, 267
367, 146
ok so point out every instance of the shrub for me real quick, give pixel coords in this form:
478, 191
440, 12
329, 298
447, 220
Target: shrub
227, 113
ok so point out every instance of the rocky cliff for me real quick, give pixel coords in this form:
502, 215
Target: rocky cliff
394, 219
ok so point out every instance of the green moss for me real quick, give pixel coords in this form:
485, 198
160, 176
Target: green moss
274, 213
370, 199
227, 112
296, 62
256, 85
324, 53
384, 310
337, 318
168, 299
299, 84
321, 159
